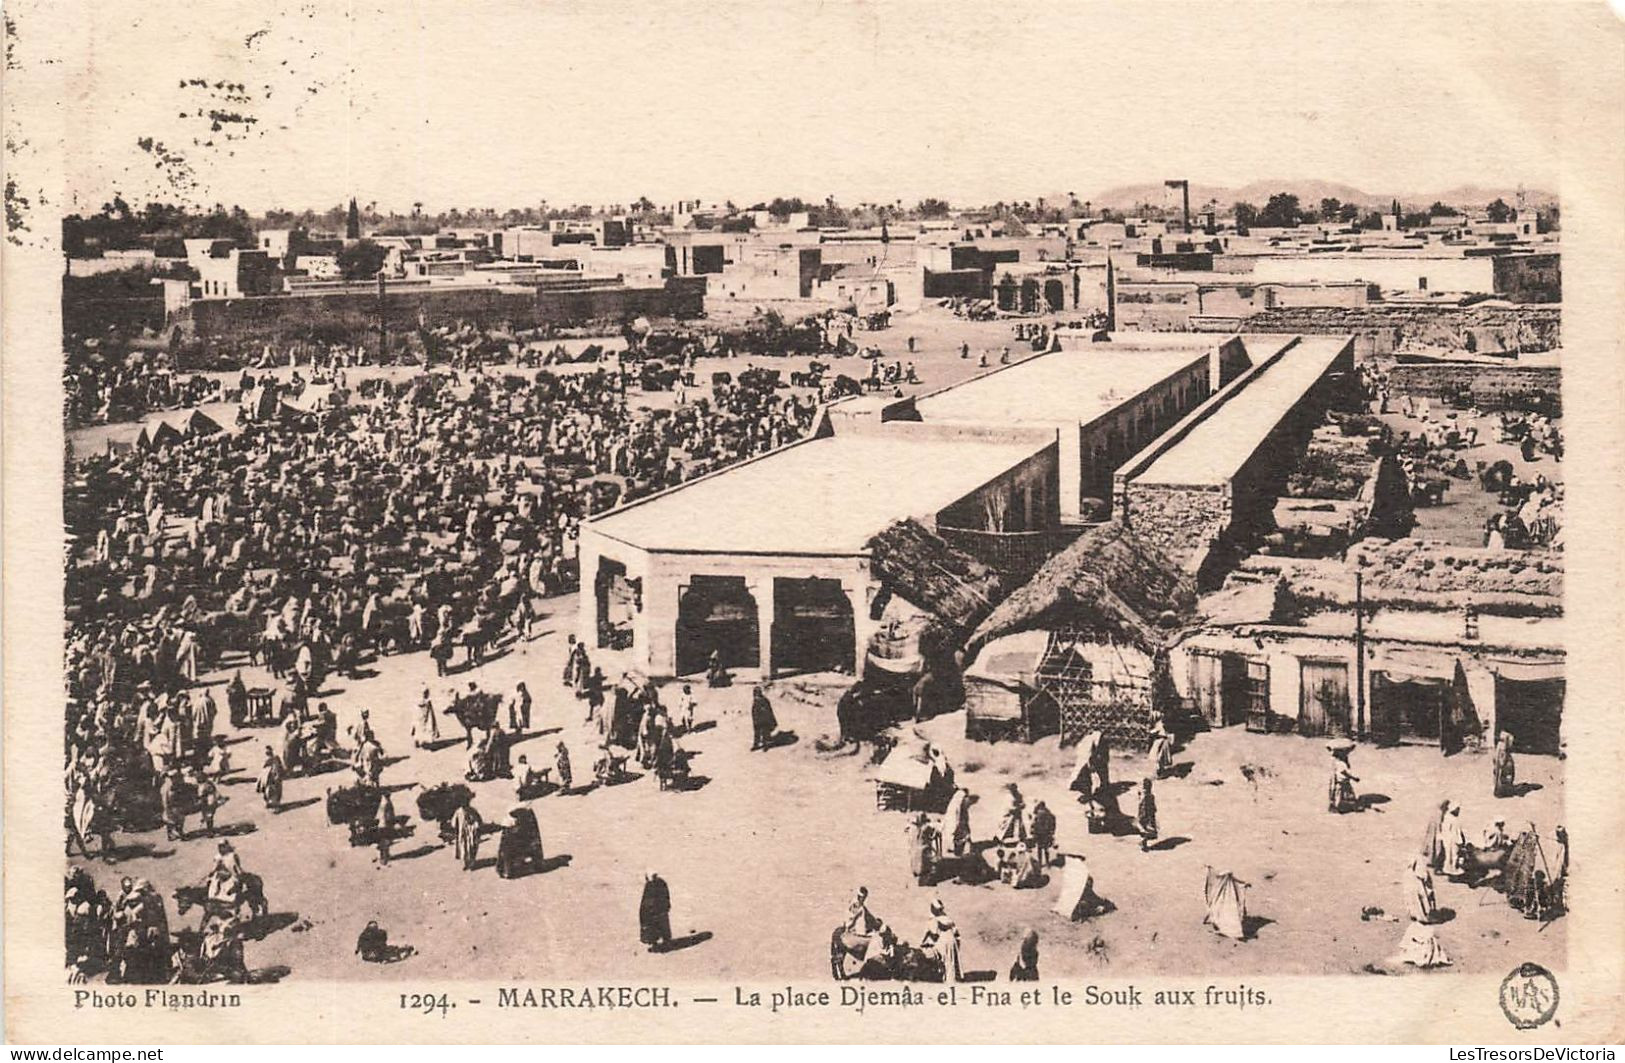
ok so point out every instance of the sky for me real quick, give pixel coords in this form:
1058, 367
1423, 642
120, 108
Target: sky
507, 104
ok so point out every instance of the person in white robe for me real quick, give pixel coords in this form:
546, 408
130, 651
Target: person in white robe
1420, 900
941, 941
1420, 947
956, 822
426, 729
1433, 840
1454, 840
1226, 898
1077, 900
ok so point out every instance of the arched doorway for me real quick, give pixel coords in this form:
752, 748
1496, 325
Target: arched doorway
716, 613
1006, 293
812, 626
1029, 296
618, 604
1055, 294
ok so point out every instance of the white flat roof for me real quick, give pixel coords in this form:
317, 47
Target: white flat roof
1069, 386
824, 496
1217, 447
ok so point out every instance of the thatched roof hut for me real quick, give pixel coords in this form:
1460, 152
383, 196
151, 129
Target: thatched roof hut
1110, 583
920, 566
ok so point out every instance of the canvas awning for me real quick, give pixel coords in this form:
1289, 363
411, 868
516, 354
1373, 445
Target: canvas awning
1405, 665
900, 769
1012, 660
1527, 670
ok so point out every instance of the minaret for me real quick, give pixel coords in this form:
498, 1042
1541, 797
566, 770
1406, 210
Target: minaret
1111, 294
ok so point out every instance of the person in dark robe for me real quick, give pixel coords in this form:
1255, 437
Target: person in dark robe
561, 762
715, 674
762, 722
466, 826
654, 913
1102, 763
592, 688
237, 701
1025, 969
440, 651
519, 850
1145, 819
1041, 833
666, 759
373, 943
269, 783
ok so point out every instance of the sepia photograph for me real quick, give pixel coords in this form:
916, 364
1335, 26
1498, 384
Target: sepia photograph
608, 508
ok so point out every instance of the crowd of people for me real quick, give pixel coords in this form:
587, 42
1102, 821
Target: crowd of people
433, 515
1530, 514
102, 394
428, 515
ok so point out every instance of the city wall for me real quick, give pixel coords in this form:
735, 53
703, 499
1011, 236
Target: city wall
356, 313
1489, 386
1384, 329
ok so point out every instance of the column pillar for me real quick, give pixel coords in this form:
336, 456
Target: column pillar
1070, 473
661, 595
761, 588
587, 598
642, 639
863, 629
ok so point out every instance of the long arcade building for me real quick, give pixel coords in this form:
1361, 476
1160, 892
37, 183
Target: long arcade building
766, 564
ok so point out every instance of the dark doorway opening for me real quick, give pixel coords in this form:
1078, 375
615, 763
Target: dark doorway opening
716, 614
813, 629
1029, 296
1531, 711
1055, 295
617, 598
1408, 708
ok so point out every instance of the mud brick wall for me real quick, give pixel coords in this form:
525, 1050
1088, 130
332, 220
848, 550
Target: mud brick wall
1182, 521
357, 311
94, 316
1491, 386
1384, 329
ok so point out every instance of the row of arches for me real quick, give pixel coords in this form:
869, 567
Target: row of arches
812, 627
1028, 297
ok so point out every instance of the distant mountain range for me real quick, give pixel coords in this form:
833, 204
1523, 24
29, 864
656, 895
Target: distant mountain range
1310, 193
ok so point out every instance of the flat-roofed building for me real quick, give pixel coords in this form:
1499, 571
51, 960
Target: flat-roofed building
768, 563
1212, 479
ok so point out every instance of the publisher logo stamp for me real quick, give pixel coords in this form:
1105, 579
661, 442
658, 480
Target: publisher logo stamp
1529, 996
